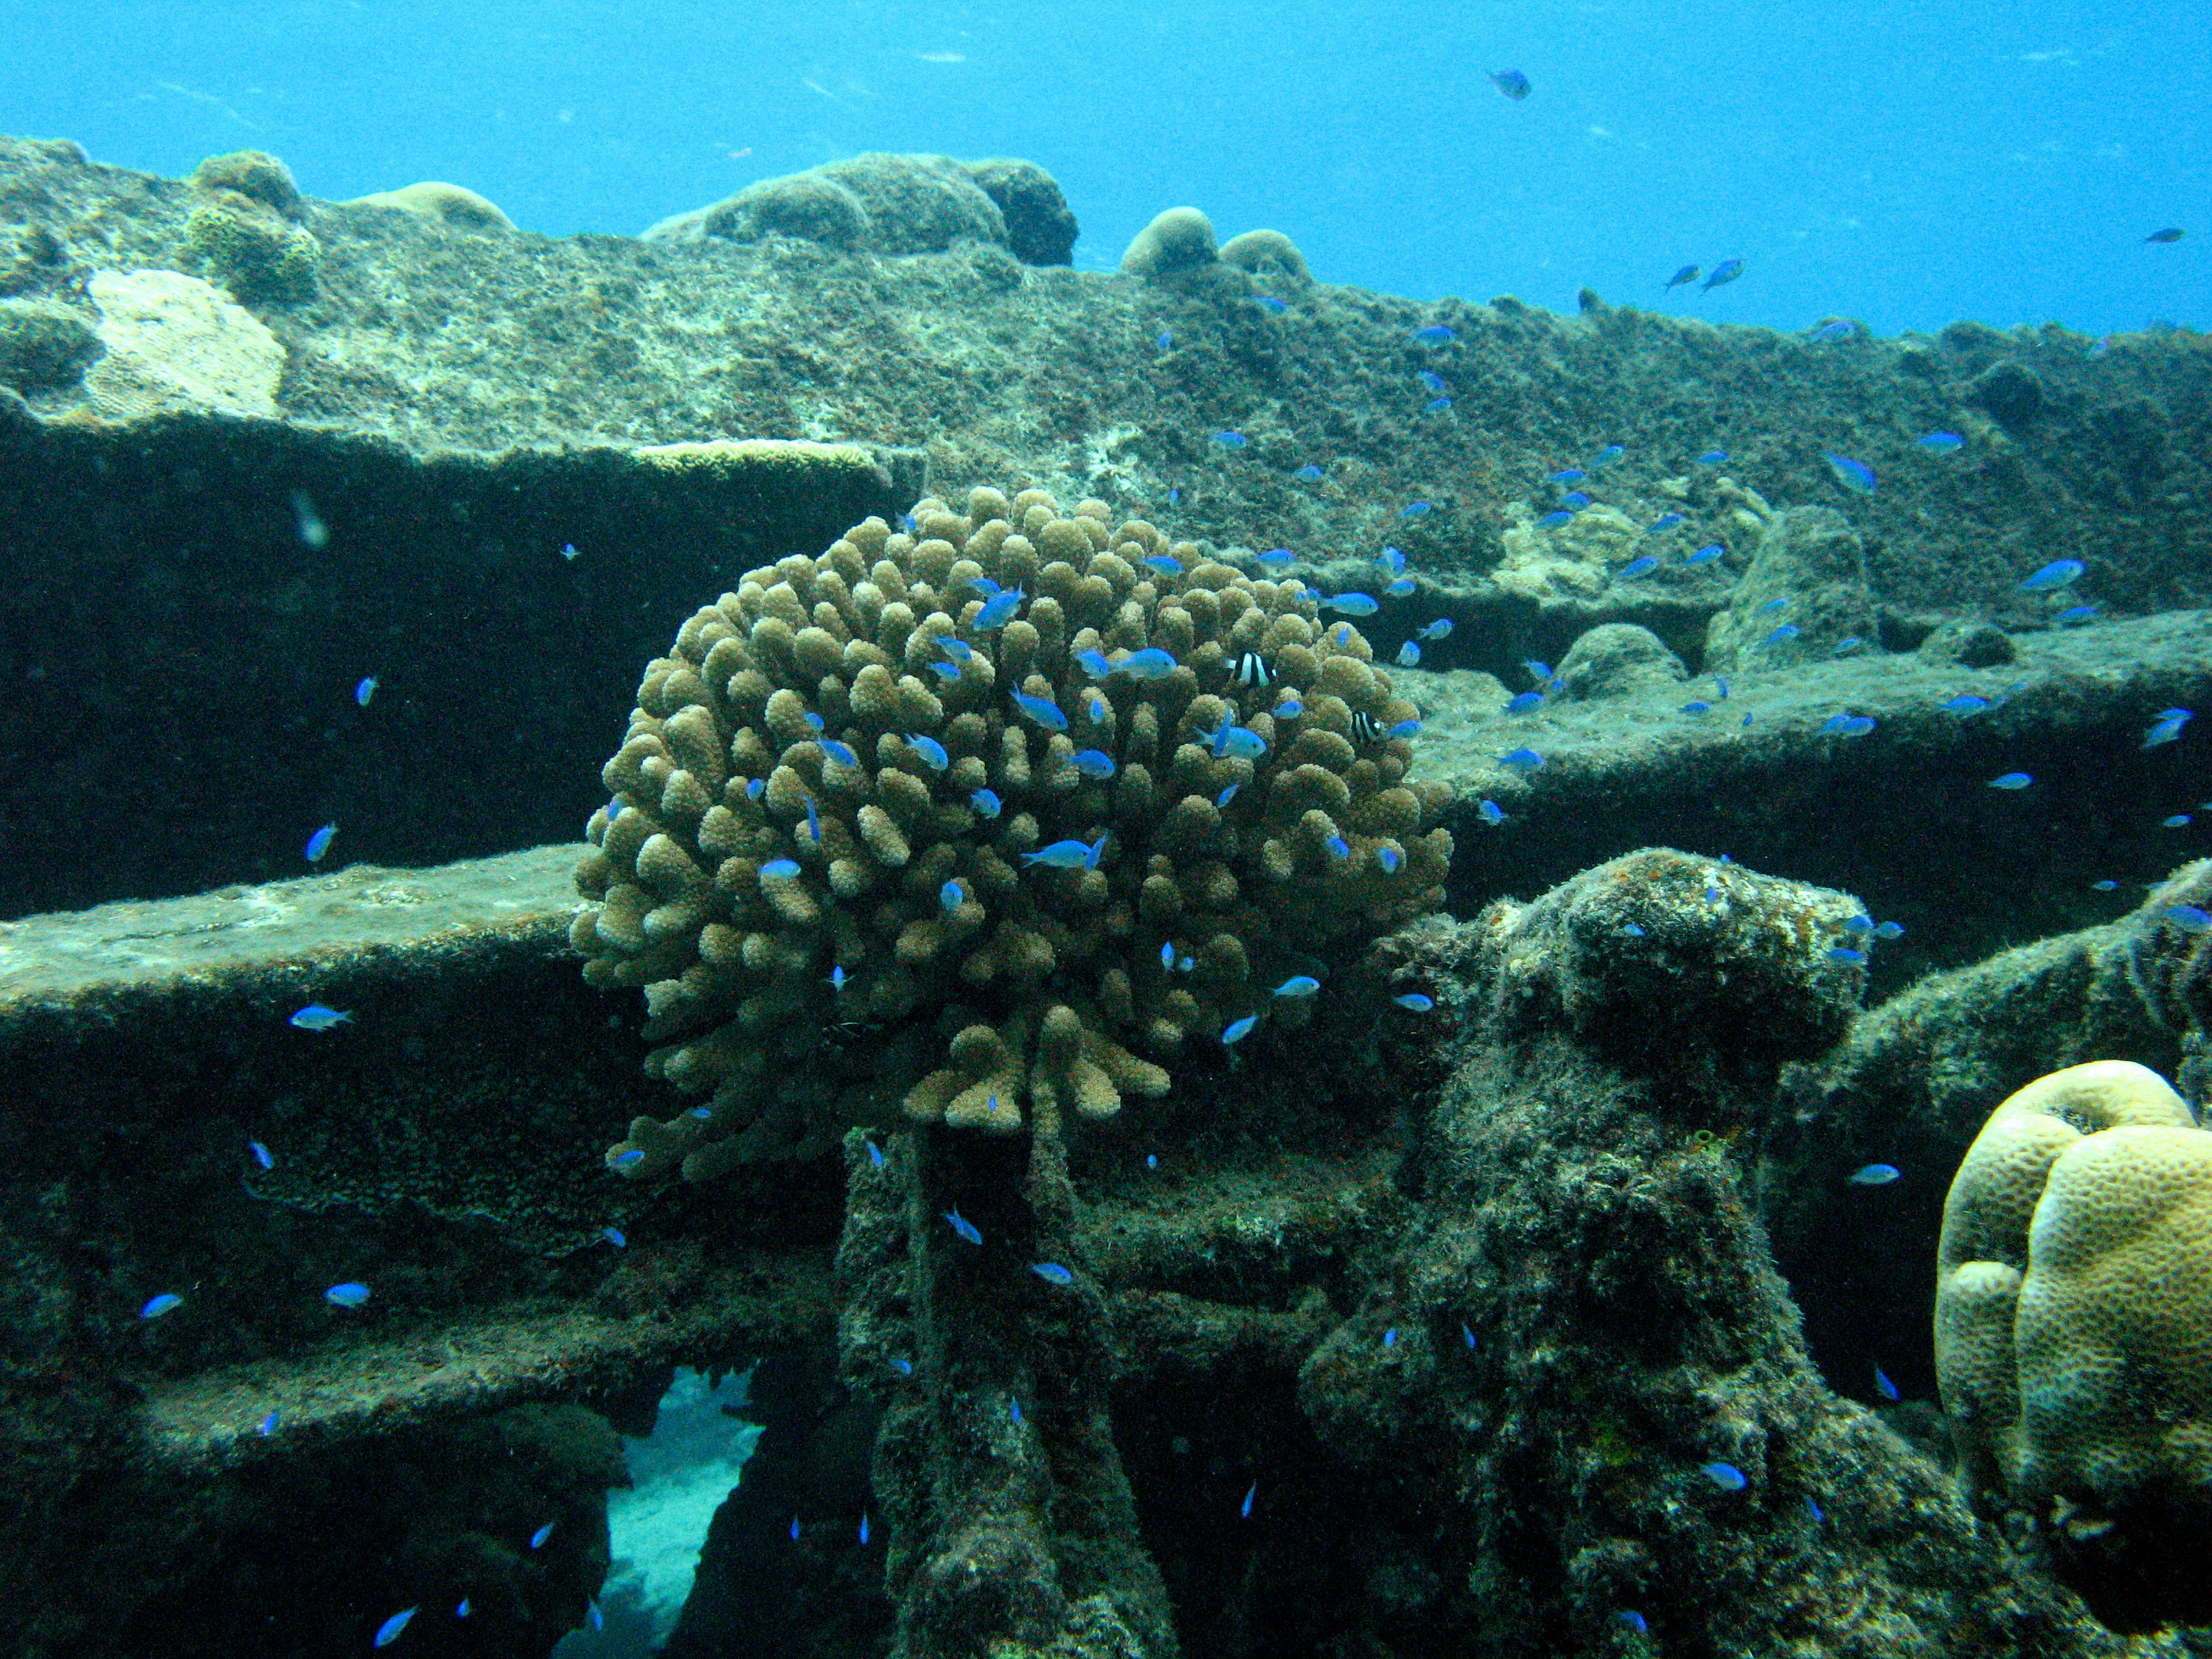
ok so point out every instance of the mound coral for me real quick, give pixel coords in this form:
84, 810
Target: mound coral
1016, 795
245, 228
2074, 1331
1181, 239
433, 198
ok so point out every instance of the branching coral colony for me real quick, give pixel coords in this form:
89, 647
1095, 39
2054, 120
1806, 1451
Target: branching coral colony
982, 813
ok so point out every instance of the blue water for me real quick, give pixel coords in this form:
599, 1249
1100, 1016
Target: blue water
1905, 164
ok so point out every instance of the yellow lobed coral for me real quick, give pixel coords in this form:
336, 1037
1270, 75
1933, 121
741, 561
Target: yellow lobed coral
832, 862
2073, 1295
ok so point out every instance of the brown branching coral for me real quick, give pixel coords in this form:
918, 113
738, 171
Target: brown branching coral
920, 802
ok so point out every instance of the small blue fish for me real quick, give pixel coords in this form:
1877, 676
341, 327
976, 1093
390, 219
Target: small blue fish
813, 821
1435, 406
1289, 709
1783, 635
614, 1236
156, 1306
1279, 306
1491, 812
1628, 1616
1663, 523
1721, 681
1435, 382
1635, 568
2074, 615
1388, 858
903, 1367
1013, 1413
1539, 671
1166, 342
1278, 558
1409, 654
1403, 729
1235, 742
388, 1632
1352, 605
1521, 760
1225, 796
1166, 563
1231, 440
2059, 573
1575, 500
2012, 780
756, 787
932, 751
1875, 1175
1401, 588
1438, 630
1713, 458
1813, 1509
1835, 331
1299, 985
2104, 886
1849, 726
704, 1113
1966, 704
1852, 474
1043, 710
1246, 1511
1337, 847
1858, 924
2175, 714
319, 842
1094, 764
1687, 273
2188, 918
1052, 1272
1726, 1476
1526, 702
1149, 664
261, 1154
950, 896
779, 869
959, 650
998, 610
1468, 1336
1553, 521
1889, 930
1434, 334
961, 1225
1845, 954
2167, 731
364, 691
1237, 1030
1844, 646
1415, 1002
1067, 856
1940, 440
1697, 706
1706, 555
538, 1538
841, 753
351, 1294
627, 1161
2179, 821
1567, 475
1883, 1386
1514, 84
1727, 272
1634, 930
1607, 457
268, 1425
1093, 662
317, 1017
1390, 1337
794, 1529
1774, 606
1416, 510
814, 722
1175, 496
1308, 474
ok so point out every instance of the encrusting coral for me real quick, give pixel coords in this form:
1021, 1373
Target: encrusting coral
1017, 795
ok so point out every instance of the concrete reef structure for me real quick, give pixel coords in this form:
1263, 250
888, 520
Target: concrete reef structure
858, 792
2074, 1332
